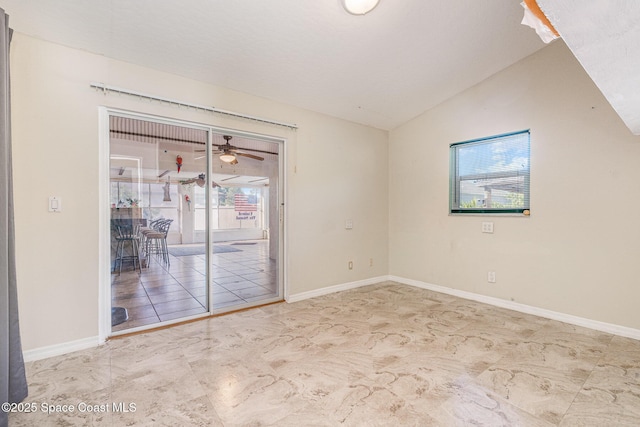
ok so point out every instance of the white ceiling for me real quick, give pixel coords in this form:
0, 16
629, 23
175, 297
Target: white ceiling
380, 69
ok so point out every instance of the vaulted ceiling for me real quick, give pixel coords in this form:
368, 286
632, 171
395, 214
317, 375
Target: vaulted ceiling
380, 69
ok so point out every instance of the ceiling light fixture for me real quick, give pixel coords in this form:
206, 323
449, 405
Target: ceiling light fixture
359, 7
227, 157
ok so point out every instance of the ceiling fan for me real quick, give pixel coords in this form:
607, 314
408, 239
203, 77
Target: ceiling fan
200, 181
228, 153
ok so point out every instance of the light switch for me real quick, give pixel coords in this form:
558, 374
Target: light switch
55, 204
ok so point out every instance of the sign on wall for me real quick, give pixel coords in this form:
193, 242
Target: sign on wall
245, 206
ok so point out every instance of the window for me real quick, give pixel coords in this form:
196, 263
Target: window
200, 208
149, 197
490, 175
233, 208
156, 204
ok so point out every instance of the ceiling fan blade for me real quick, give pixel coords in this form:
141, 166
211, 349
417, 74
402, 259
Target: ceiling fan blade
200, 180
255, 150
251, 156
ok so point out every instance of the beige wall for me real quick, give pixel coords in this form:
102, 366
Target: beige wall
579, 251
576, 254
55, 137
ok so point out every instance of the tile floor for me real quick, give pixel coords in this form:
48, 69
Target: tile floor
381, 355
161, 293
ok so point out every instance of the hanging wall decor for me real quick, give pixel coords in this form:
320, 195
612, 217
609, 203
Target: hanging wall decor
167, 188
179, 162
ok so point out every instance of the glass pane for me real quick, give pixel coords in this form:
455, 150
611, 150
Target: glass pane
125, 194
199, 200
496, 193
163, 195
246, 227
240, 208
509, 154
199, 206
158, 267
492, 173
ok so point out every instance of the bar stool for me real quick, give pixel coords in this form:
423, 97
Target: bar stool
126, 234
156, 240
142, 235
145, 231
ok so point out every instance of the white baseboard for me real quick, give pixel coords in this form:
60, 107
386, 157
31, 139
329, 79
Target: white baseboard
523, 308
336, 288
60, 349
85, 343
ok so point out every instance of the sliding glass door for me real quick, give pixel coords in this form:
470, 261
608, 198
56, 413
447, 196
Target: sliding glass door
194, 221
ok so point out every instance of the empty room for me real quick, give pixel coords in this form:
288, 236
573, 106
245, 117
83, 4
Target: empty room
342, 212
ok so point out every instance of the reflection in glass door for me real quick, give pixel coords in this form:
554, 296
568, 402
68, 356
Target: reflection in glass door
158, 258
191, 233
244, 222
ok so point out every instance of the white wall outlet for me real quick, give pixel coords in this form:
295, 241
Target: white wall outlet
487, 227
348, 224
491, 277
350, 265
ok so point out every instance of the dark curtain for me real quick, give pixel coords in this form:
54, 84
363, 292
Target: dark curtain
13, 382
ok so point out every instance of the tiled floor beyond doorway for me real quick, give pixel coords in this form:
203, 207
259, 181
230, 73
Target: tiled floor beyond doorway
242, 272
381, 355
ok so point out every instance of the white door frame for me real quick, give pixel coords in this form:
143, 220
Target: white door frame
104, 238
